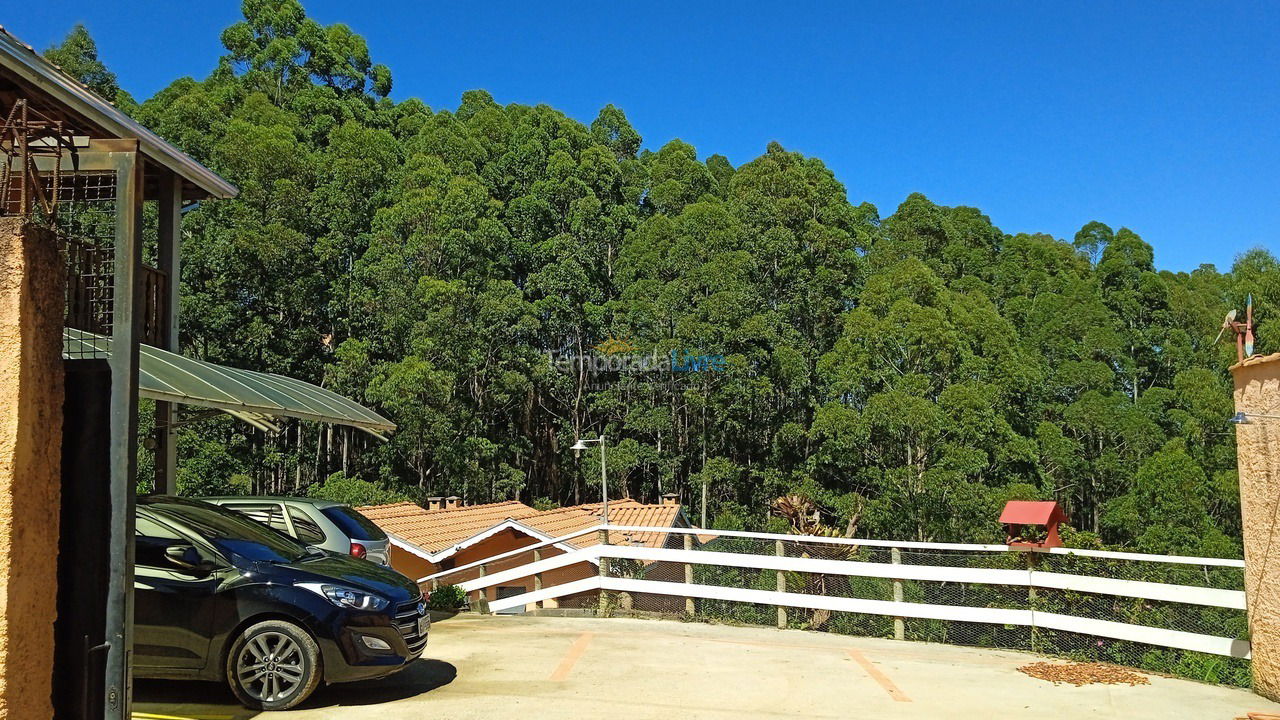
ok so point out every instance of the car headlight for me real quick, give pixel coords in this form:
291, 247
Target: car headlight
347, 597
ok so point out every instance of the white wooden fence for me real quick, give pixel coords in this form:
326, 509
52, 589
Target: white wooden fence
1028, 577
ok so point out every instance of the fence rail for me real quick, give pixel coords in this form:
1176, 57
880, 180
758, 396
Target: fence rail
1065, 600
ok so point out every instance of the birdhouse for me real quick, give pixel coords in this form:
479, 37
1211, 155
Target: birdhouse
1032, 524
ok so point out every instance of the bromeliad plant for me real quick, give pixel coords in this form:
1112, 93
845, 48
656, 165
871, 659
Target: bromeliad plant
805, 518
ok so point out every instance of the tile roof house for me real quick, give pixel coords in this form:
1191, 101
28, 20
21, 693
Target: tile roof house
436, 532
562, 521
446, 535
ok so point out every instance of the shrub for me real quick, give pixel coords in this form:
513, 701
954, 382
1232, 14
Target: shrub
447, 597
353, 491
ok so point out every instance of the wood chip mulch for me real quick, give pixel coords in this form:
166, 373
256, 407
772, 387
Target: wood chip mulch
1082, 673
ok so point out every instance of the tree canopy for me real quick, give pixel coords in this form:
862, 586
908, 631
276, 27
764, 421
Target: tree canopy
454, 268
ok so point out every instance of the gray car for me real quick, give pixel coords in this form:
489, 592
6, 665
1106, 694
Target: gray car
322, 523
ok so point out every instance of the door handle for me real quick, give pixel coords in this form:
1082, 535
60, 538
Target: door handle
90, 671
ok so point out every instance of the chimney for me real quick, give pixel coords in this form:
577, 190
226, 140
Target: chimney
671, 499
435, 503
452, 502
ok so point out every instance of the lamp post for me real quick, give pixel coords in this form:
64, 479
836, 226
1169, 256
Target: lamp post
577, 449
1242, 418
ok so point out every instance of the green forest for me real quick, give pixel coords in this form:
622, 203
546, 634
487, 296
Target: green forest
476, 273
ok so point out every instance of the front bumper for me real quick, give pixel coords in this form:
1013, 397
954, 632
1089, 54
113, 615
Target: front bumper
351, 658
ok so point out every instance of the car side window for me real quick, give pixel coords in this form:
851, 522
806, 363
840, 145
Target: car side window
306, 528
268, 514
150, 540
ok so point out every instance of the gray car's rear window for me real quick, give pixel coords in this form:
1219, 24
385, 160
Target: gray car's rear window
353, 524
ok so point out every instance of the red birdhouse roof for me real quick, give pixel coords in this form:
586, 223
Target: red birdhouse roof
1026, 512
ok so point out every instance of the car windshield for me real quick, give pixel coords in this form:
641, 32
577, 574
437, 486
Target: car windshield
353, 524
231, 532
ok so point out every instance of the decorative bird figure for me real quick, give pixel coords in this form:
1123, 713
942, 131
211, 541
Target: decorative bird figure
1227, 322
1242, 330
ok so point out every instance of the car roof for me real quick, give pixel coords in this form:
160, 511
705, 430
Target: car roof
312, 502
167, 500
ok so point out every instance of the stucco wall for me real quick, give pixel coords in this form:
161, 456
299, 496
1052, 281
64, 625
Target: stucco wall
1257, 382
408, 564
31, 308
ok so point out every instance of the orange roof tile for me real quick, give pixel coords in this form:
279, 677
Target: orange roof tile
626, 511
436, 530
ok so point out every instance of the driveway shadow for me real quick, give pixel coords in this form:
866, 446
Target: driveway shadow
215, 702
419, 678
187, 698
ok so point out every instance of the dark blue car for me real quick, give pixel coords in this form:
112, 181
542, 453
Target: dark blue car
221, 597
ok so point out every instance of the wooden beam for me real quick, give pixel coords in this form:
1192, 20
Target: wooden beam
169, 259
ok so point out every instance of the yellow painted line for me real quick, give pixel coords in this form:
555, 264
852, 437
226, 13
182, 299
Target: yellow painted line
874, 672
576, 650
154, 716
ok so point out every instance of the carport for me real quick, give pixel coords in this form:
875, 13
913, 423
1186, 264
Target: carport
255, 397
88, 324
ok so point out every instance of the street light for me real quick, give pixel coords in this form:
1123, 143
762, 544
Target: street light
1242, 418
577, 449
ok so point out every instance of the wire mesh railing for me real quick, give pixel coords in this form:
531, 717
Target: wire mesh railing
1182, 616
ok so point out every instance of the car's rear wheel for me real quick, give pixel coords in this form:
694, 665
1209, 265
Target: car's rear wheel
273, 665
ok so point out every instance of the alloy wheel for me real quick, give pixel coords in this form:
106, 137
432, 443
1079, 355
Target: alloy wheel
270, 667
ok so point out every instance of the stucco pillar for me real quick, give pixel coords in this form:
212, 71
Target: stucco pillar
31, 312
1257, 392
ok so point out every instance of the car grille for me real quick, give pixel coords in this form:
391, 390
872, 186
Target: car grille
407, 621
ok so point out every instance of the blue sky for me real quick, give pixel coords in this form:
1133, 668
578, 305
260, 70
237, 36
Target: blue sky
1164, 117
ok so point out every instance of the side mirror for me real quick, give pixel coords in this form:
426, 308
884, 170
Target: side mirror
188, 558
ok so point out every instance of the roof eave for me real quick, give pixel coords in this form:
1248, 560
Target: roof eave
34, 69
508, 524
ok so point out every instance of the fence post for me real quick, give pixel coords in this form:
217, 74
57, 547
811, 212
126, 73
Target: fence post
689, 607
537, 581
781, 551
604, 573
899, 624
483, 604
1031, 559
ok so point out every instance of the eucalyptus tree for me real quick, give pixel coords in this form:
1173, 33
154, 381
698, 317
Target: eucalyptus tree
451, 267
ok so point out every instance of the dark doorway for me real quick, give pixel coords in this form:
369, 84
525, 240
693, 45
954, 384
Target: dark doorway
83, 543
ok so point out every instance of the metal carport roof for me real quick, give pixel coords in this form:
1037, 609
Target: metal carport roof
254, 397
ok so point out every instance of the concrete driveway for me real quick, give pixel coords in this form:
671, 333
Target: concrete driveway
486, 667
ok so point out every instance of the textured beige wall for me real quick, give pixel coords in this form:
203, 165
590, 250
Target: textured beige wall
31, 309
1257, 383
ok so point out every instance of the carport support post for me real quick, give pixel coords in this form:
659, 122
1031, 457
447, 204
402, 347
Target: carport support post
689, 607
781, 551
169, 236
123, 458
899, 625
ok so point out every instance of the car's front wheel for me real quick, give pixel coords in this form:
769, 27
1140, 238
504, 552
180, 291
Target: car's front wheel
273, 665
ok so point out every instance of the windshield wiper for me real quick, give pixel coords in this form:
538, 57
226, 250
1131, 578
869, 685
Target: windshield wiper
314, 553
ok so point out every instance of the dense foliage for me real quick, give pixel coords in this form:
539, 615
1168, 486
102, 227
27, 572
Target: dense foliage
909, 372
